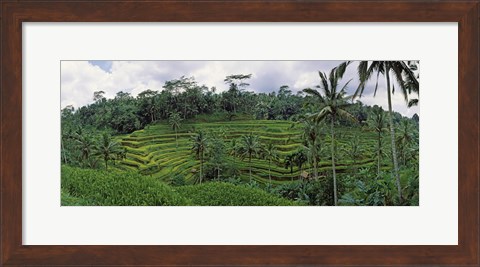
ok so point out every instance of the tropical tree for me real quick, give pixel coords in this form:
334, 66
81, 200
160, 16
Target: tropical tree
85, 144
333, 101
311, 135
250, 147
236, 84
300, 159
378, 122
405, 78
106, 148
148, 104
270, 153
354, 149
290, 162
216, 151
98, 96
200, 143
121, 154
404, 139
233, 149
175, 122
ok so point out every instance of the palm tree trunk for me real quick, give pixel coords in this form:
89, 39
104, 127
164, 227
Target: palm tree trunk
378, 154
106, 164
250, 166
333, 161
201, 166
269, 171
392, 135
176, 137
315, 170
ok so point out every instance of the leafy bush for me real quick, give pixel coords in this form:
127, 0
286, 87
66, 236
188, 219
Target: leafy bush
68, 200
309, 192
101, 188
226, 194
83, 187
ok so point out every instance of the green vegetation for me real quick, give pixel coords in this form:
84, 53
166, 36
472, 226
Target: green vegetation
84, 187
227, 194
188, 145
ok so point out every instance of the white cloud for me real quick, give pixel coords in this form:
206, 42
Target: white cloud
81, 78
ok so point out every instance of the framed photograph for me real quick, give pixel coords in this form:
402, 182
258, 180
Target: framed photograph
239, 133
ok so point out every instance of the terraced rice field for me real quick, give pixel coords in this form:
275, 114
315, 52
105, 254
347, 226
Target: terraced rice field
153, 152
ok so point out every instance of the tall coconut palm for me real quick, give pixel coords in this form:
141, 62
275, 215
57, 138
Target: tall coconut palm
200, 143
175, 122
378, 122
270, 153
106, 148
333, 101
405, 78
249, 148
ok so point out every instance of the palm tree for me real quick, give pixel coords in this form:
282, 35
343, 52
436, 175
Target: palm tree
377, 121
333, 103
85, 145
290, 162
200, 143
174, 120
405, 139
300, 159
250, 147
354, 149
233, 149
311, 135
106, 148
408, 82
271, 154
216, 151
314, 153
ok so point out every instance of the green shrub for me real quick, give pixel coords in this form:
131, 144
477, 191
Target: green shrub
68, 200
101, 188
226, 194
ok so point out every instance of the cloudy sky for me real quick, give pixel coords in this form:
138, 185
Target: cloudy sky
79, 79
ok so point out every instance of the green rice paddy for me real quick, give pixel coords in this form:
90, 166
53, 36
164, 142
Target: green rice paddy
153, 151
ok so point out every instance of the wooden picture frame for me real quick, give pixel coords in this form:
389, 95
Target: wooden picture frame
14, 13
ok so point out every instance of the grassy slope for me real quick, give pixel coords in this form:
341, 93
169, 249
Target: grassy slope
86, 187
153, 152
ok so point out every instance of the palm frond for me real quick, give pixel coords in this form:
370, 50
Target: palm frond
344, 88
346, 115
413, 102
411, 80
323, 114
364, 74
340, 70
398, 71
376, 85
324, 83
314, 93
333, 82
